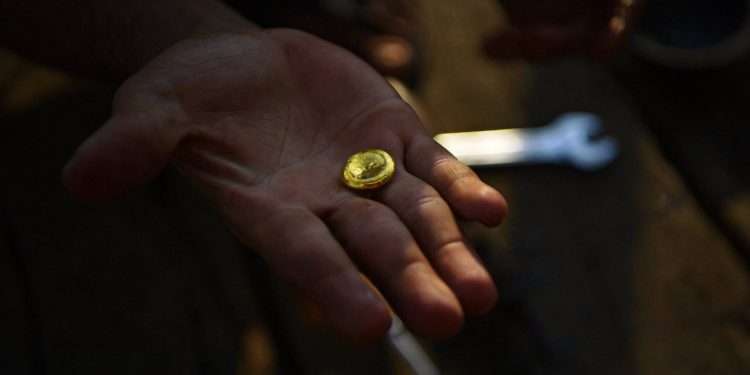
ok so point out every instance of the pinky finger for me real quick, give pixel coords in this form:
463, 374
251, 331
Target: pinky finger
298, 245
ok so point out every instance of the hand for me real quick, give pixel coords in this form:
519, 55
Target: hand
262, 123
551, 28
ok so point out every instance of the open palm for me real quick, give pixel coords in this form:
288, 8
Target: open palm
262, 123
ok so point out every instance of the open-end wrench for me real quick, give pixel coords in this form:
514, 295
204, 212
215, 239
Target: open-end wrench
568, 140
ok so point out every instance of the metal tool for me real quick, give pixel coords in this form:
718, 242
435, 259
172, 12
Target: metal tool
568, 140
410, 350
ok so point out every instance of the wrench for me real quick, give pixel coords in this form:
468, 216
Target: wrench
567, 140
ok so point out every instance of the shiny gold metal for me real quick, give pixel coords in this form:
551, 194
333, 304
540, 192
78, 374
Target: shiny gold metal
369, 169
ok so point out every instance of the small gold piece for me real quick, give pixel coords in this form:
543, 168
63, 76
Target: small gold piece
369, 169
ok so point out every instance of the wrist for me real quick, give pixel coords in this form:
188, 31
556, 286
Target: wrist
108, 39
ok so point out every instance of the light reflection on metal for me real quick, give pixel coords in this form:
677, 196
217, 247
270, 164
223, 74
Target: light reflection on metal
485, 147
568, 140
410, 350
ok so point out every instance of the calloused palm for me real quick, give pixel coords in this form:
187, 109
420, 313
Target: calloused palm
262, 123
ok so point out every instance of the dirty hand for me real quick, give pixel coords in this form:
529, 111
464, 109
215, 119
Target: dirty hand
261, 123
552, 28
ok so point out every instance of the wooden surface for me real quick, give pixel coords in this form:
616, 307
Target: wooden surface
636, 269
619, 271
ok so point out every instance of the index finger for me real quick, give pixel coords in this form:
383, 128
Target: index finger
467, 195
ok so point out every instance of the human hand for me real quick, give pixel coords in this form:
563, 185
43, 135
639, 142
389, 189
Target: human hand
261, 123
552, 28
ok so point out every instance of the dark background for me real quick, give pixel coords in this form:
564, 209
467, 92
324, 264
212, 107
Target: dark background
640, 268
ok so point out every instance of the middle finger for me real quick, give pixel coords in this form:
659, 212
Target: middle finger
430, 220
384, 249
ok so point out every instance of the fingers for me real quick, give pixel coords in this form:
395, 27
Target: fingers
299, 246
431, 222
469, 197
383, 247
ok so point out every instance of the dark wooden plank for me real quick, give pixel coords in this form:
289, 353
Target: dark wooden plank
617, 271
700, 120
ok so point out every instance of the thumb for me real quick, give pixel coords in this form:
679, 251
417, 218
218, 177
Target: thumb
125, 154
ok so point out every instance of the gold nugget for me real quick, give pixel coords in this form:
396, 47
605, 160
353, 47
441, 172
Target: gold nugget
369, 169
